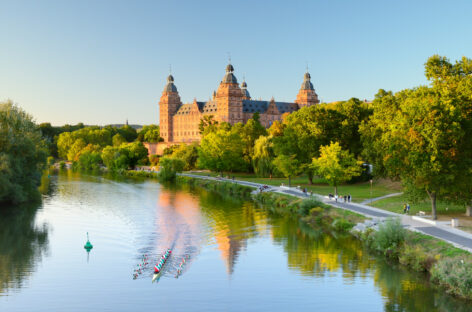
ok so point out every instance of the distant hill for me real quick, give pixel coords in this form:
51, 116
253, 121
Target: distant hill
137, 127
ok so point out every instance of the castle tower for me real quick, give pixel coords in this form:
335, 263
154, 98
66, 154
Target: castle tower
246, 95
229, 98
168, 105
307, 95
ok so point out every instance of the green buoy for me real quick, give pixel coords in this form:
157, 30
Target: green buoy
88, 246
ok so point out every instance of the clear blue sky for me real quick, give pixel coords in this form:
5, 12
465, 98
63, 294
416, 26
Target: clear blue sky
101, 62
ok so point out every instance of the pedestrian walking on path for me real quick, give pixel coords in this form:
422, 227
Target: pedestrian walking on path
404, 208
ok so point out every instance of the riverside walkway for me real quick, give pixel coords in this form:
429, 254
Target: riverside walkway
437, 229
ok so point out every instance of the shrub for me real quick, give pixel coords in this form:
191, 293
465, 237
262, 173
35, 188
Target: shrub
416, 258
455, 274
389, 238
342, 225
62, 165
168, 168
306, 205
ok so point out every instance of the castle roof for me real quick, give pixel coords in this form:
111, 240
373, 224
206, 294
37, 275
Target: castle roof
170, 87
306, 84
251, 106
229, 77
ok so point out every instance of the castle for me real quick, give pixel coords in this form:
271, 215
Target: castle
231, 103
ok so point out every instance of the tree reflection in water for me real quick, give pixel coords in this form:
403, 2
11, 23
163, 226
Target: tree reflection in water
22, 245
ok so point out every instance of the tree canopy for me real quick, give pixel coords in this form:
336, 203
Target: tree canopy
22, 155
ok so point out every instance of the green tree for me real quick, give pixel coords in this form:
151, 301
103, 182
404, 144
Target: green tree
188, 154
207, 124
288, 166
169, 167
249, 133
128, 132
118, 139
22, 155
263, 156
222, 150
422, 136
336, 165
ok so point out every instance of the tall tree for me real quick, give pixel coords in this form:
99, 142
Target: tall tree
336, 165
288, 166
22, 155
222, 150
422, 135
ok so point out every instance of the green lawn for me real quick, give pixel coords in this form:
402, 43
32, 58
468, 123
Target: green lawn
358, 191
395, 204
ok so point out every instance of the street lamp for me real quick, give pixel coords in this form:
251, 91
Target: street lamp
371, 191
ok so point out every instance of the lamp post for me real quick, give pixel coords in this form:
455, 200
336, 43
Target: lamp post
371, 191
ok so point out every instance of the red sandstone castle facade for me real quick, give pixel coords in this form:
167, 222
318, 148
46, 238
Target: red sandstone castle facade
231, 103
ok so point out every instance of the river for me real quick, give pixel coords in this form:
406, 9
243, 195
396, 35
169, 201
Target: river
240, 256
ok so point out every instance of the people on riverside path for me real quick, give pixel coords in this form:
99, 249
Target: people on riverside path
404, 208
349, 198
407, 208
345, 198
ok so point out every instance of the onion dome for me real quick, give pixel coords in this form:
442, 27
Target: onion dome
244, 90
229, 77
307, 85
170, 87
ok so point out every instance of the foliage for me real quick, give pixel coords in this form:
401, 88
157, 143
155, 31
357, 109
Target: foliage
306, 130
222, 150
150, 134
287, 165
336, 165
422, 135
118, 139
188, 153
389, 238
128, 155
88, 161
263, 157
169, 167
455, 274
207, 124
22, 155
128, 132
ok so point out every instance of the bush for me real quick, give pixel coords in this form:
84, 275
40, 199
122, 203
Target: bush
342, 225
306, 205
416, 258
389, 238
168, 168
455, 274
62, 165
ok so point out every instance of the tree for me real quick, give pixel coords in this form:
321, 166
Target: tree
222, 150
263, 156
22, 155
150, 133
304, 131
336, 165
249, 133
288, 166
207, 124
169, 167
188, 154
118, 139
128, 132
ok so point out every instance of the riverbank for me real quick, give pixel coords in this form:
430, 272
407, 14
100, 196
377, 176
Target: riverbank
449, 266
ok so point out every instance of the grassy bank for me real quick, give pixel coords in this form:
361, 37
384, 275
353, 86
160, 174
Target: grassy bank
358, 191
395, 204
311, 211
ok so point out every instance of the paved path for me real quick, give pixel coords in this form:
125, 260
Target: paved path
442, 231
368, 201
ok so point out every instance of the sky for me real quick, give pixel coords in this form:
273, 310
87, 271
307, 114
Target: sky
102, 62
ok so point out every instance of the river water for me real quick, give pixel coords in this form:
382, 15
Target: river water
240, 256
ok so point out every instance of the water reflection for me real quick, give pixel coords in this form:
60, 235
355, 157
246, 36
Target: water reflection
22, 245
128, 218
